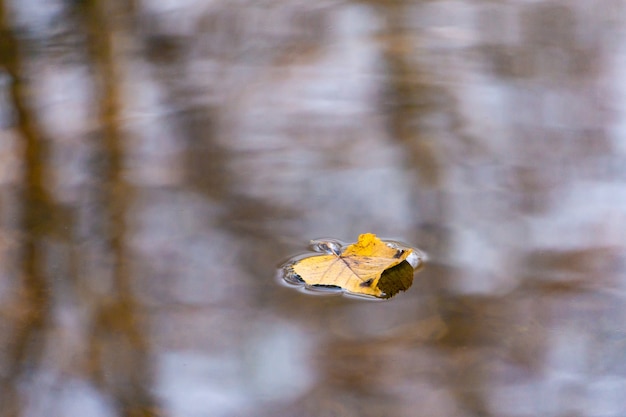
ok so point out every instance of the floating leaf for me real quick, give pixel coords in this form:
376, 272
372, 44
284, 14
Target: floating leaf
369, 267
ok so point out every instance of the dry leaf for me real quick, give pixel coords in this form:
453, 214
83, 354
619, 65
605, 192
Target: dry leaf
369, 267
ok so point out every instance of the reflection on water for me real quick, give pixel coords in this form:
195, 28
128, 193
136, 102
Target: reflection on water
158, 159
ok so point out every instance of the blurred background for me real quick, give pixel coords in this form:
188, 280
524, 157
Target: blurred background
159, 159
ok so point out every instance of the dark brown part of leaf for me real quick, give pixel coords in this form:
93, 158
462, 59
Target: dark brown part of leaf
396, 279
327, 287
366, 283
398, 253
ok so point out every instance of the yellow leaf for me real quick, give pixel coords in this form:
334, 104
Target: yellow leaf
368, 267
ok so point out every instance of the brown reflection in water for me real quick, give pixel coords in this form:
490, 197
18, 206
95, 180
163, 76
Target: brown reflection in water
410, 97
118, 352
30, 312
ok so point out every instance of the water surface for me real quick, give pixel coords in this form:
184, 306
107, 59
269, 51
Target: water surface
158, 160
